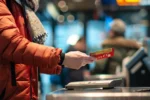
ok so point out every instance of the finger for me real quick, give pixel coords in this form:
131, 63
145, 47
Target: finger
84, 62
89, 58
77, 67
87, 61
82, 54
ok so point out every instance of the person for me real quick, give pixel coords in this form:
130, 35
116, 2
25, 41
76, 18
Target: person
73, 75
22, 52
122, 47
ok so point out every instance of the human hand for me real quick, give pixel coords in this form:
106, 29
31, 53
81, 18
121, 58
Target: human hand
77, 59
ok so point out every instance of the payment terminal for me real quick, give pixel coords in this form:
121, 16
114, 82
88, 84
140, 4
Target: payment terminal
105, 84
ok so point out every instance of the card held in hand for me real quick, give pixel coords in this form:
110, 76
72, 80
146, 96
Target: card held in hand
106, 53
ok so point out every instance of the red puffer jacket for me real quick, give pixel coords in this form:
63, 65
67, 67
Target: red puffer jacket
16, 47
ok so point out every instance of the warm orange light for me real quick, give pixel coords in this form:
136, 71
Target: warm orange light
133, 1
128, 2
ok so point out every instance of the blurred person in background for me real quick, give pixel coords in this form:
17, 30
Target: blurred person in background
22, 52
122, 47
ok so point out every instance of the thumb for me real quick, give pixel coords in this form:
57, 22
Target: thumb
86, 61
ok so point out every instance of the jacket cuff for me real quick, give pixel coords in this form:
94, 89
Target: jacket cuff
62, 57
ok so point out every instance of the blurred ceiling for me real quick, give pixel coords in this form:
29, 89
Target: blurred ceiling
78, 5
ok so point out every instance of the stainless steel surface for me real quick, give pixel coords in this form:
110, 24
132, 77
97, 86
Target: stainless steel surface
103, 77
119, 93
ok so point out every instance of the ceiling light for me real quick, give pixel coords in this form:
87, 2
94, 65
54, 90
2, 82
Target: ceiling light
52, 10
78, 0
61, 4
64, 9
72, 40
60, 18
70, 18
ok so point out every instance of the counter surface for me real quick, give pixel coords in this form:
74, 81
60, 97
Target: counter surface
118, 93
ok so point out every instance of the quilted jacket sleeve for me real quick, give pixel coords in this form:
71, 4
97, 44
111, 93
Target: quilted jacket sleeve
16, 48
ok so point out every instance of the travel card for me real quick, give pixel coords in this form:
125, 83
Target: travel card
106, 53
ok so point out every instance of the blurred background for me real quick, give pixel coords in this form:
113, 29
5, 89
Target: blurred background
68, 21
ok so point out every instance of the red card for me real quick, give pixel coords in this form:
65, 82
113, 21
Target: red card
106, 53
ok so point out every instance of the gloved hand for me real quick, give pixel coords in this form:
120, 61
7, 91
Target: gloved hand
77, 59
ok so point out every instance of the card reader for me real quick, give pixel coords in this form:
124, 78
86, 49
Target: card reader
94, 84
